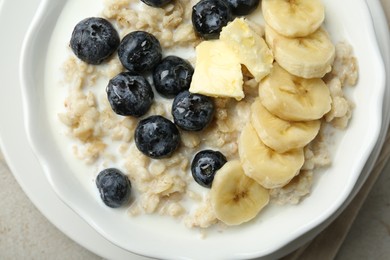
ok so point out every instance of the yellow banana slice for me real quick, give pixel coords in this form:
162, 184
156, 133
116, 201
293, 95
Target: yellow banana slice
235, 197
269, 168
293, 18
293, 98
249, 46
311, 56
217, 71
281, 135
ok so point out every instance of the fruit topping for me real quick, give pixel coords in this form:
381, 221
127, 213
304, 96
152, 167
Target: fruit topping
129, 94
235, 197
311, 56
243, 7
281, 135
94, 40
293, 98
172, 75
156, 137
204, 166
209, 16
139, 51
293, 18
192, 112
264, 165
156, 3
114, 187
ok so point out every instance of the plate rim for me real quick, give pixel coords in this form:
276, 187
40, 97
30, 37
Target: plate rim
25, 48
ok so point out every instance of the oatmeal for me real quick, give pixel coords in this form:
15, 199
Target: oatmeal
165, 186
170, 24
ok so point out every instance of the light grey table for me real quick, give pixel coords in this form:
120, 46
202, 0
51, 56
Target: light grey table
26, 234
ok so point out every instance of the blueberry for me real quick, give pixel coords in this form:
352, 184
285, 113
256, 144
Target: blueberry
156, 3
192, 112
94, 40
156, 137
172, 75
129, 94
114, 187
243, 7
139, 51
209, 16
204, 166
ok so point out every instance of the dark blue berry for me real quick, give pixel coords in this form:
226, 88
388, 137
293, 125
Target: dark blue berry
139, 51
192, 112
114, 187
204, 166
129, 94
94, 40
156, 3
156, 137
243, 7
209, 16
172, 75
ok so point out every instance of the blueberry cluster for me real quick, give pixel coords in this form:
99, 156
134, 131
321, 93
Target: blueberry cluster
94, 40
210, 16
129, 93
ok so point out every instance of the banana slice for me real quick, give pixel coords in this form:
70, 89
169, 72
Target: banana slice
293, 98
293, 18
281, 135
235, 197
217, 71
307, 57
249, 46
269, 168
270, 36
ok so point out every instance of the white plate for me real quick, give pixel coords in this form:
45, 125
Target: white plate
15, 145
155, 236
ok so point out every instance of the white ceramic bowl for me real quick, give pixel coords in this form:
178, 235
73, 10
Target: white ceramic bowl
160, 237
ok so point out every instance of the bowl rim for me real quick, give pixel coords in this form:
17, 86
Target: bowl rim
29, 110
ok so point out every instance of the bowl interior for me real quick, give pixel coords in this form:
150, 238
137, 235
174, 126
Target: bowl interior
44, 50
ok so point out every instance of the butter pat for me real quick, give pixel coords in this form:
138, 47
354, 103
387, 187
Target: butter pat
218, 63
250, 48
217, 71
